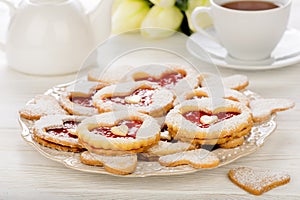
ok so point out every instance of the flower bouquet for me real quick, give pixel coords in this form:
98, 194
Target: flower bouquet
174, 15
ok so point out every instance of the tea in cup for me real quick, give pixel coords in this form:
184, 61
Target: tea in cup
249, 30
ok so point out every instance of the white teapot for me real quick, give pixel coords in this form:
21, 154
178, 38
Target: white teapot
51, 37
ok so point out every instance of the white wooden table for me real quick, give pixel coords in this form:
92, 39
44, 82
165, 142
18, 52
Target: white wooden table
26, 174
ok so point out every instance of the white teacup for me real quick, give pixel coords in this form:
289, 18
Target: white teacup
246, 35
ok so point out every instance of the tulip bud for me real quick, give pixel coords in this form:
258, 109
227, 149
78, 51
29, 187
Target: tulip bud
164, 3
129, 15
164, 21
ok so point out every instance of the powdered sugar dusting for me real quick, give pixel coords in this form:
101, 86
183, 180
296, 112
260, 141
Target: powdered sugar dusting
236, 82
258, 180
42, 105
199, 158
263, 108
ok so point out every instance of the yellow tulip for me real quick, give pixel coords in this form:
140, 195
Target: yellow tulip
164, 3
164, 20
128, 15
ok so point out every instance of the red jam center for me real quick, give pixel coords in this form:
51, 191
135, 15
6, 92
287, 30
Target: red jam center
195, 116
145, 94
83, 101
64, 131
133, 127
167, 81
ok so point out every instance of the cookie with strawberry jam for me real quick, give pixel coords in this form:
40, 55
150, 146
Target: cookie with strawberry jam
142, 96
204, 121
77, 99
117, 132
58, 132
172, 77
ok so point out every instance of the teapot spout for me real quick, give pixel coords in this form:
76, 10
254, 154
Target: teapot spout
100, 19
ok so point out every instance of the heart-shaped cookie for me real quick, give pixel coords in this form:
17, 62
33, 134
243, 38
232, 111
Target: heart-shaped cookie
42, 105
172, 77
235, 82
257, 181
199, 158
203, 120
142, 96
58, 132
77, 99
262, 109
122, 165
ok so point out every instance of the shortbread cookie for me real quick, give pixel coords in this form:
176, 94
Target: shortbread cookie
235, 142
219, 141
111, 75
226, 142
110, 152
52, 145
165, 148
208, 119
120, 165
262, 109
77, 99
121, 131
235, 82
142, 96
205, 92
164, 134
41, 105
199, 158
58, 129
170, 76
257, 181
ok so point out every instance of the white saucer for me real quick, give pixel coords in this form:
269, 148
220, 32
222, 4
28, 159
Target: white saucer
286, 53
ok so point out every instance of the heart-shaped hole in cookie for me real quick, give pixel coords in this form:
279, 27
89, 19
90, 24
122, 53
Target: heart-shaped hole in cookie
167, 80
205, 119
119, 130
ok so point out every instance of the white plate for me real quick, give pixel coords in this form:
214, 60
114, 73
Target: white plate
254, 141
285, 54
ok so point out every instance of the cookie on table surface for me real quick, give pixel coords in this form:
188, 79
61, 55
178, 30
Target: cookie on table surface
120, 165
120, 131
262, 109
41, 105
257, 181
142, 96
199, 158
77, 99
58, 132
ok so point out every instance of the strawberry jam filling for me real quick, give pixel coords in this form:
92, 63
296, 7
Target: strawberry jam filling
83, 101
133, 127
195, 116
64, 131
145, 98
167, 80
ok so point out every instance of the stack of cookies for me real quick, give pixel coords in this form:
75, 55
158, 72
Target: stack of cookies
163, 113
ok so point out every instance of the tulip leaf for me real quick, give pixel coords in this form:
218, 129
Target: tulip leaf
149, 3
182, 4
